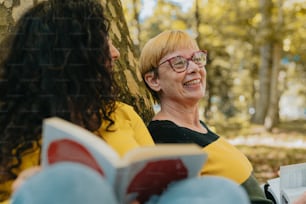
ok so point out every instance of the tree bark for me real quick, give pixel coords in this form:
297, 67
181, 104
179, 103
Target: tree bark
133, 89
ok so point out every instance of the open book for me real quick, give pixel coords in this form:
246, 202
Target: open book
141, 173
290, 185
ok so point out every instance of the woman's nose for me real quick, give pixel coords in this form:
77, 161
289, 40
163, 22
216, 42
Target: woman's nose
114, 52
192, 67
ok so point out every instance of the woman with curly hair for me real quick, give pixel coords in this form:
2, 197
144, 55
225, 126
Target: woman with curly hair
59, 63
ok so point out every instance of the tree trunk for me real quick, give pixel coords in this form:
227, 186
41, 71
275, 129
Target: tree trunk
262, 102
272, 115
272, 118
197, 22
136, 19
133, 90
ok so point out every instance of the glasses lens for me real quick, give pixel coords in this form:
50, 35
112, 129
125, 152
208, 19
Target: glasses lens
179, 63
199, 58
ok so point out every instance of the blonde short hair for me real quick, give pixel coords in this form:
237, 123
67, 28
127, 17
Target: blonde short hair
159, 46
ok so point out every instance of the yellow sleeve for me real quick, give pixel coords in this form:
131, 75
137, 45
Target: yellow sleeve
235, 165
28, 160
128, 132
5, 202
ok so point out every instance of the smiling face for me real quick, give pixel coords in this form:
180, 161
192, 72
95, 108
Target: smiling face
162, 63
186, 87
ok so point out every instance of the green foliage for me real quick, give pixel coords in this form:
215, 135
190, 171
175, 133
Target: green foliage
166, 15
295, 30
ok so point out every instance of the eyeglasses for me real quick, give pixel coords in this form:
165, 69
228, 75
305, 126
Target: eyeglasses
180, 64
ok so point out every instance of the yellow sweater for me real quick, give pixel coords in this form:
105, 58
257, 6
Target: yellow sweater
128, 132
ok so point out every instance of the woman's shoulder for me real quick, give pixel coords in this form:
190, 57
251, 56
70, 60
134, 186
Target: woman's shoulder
123, 106
124, 109
125, 112
162, 123
163, 127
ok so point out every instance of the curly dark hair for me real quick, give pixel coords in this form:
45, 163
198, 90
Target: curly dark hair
58, 64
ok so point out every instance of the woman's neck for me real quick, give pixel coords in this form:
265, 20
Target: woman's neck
182, 115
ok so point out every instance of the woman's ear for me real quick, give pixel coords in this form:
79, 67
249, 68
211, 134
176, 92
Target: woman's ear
152, 81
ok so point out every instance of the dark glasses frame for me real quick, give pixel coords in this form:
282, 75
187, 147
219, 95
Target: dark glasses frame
187, 60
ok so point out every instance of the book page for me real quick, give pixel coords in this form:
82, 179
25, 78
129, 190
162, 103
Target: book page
275, 188
161, 150
152, 176
289, 195
66, 142
293, 176
292, 182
